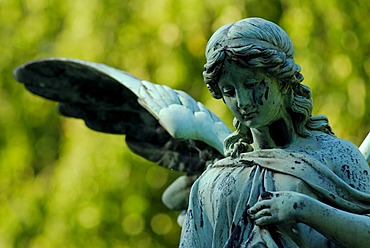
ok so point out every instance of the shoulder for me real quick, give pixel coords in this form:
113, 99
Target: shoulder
338, 150
345, 159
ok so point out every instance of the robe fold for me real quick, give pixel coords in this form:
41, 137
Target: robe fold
217, 217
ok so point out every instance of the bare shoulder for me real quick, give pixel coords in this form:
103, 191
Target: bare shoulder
344, 158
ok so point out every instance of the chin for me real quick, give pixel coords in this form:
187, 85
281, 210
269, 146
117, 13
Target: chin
251, 123
254, 123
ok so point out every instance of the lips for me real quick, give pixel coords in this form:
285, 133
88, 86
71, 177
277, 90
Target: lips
248, 115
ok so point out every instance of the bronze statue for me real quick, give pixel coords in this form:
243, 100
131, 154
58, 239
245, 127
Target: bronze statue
281, 179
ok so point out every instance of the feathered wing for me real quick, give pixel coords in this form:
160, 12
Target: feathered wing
163, 125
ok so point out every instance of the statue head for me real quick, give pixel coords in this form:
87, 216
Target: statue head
261, 44
252, 42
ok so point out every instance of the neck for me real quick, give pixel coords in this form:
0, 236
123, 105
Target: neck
278, 134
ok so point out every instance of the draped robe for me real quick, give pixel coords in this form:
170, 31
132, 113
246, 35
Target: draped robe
219, 199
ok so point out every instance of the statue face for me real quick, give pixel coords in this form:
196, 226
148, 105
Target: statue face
253, 97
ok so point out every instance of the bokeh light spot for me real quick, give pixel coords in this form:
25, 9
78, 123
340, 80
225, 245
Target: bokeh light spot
133, 224
342, 66
161, 224
89, 217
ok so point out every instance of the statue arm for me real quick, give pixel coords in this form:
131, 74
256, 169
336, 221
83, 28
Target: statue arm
344, 228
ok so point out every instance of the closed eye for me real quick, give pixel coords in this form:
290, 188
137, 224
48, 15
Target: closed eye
228, 91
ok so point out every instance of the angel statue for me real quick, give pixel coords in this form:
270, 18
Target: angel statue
281, 179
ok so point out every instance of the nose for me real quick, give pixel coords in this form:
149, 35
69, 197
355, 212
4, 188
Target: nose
244, 99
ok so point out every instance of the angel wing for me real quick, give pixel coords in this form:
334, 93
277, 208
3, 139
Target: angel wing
163, 125
365, 148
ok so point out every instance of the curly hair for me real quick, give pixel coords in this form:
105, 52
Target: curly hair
258, 43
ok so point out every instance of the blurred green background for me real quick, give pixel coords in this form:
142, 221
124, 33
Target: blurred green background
63, 185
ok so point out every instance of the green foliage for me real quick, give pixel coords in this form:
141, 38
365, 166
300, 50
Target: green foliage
63, 185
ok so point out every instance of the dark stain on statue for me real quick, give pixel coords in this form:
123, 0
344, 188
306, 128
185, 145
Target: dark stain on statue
235, 239
227, 184
345, 168
201, 221
255, 101
266, 195
259, 95
232, 227
301, 205
267, 90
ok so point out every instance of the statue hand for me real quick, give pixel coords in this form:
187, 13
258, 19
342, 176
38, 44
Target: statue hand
279, 207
